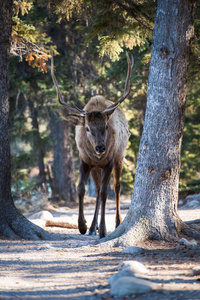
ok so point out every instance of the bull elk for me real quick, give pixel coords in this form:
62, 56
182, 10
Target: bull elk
101, 136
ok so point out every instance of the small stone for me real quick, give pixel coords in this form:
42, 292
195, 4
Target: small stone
134, 266
44, 246
132, 250
180, 202
43, 215
195, 271
125, 286
187, 243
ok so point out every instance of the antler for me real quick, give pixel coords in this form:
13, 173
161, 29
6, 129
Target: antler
71, 110
127, 89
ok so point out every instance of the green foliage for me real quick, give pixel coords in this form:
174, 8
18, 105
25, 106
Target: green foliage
190, 158
115, 23
22, 185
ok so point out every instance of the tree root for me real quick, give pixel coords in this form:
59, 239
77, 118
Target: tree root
130, 235
15, 226
197, 221
190, 230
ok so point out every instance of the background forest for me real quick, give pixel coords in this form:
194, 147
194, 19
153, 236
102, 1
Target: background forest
89, 59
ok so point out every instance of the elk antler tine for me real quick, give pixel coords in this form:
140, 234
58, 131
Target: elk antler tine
60, 97
132, 61
59, 94
80, 110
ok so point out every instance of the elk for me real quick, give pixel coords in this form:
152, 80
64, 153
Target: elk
101, 136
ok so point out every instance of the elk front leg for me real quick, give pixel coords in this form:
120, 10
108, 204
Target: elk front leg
96, 176
117, 170
103, 196
84, 173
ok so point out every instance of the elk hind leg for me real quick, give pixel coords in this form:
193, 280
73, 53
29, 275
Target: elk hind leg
117, 170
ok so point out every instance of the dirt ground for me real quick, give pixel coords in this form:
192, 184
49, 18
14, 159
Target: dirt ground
75, 267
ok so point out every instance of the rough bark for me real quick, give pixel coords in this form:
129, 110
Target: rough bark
12, 223
153, 210
63, 172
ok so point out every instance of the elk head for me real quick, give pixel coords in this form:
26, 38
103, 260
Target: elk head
95, 122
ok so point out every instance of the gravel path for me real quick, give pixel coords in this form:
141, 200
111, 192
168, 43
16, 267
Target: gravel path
75, 268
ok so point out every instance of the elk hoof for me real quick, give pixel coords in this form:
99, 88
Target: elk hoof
118, 221
82, 226
102, 235
102, 232
93, 230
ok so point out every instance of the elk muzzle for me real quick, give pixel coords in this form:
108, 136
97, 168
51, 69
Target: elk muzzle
100, 149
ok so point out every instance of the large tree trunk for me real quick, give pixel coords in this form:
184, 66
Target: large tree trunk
153, 210
63, 173
12, 223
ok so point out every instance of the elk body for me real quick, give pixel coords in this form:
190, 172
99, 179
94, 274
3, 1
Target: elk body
101, 136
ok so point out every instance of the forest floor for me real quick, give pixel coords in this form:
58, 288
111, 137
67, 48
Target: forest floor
75, 267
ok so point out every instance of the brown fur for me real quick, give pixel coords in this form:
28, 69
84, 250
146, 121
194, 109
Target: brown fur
116, 142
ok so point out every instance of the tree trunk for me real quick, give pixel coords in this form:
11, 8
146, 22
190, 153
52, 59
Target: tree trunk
153, 210
63, 172
12, 223
37, 143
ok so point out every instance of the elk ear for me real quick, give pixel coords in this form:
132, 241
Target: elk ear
108, 116
74, 119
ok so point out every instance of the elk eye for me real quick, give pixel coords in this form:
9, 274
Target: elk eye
87, 129
106, 126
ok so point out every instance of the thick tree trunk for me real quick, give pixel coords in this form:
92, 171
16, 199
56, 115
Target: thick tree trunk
63, 172
12, 222
153, 211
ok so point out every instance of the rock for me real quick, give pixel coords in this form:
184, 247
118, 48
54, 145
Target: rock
180, 202
125, 286
132, 250
40, 223
125, 273
44, 246
193, 204
43, 215
195, 271
193, 201
134, 266
187, 243
122, 273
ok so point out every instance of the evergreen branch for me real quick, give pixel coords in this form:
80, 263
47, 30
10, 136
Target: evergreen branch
130, 11
136, 7
21, 47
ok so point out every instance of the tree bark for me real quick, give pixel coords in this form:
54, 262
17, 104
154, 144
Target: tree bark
153, 210
12, 223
